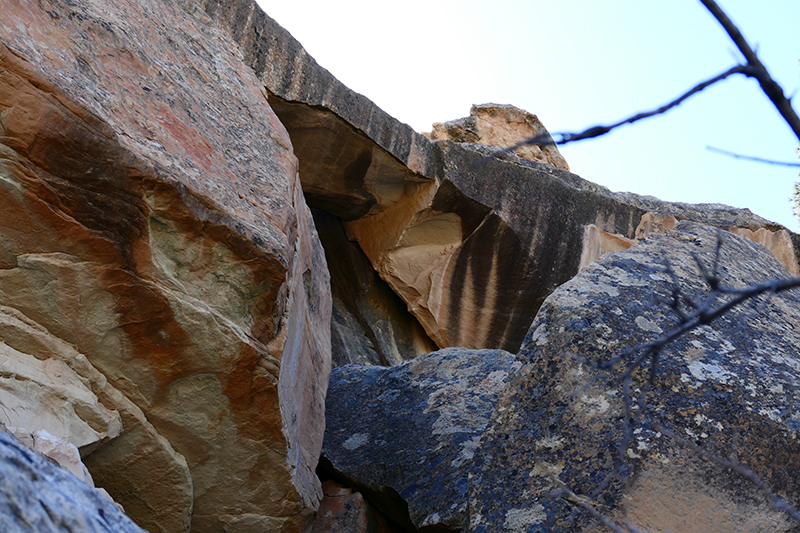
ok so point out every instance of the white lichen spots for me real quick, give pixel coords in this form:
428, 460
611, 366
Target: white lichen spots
656, 277
777, 389
552, 442
632, 454
356, 441
594, 405
772, 414
468, 449
518, 520
694, 435
703, 371
617, 311
430, 520
648, 325
540, 335
545, 469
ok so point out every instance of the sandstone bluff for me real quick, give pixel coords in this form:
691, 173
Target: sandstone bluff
236, 296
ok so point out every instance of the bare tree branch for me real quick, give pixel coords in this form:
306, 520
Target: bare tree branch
757, 70
752, 158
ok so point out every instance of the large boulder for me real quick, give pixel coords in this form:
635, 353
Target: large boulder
155, 239
728, 387
405, 436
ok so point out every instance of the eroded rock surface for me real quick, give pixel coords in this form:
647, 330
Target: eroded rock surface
370, 324
408, 433
728, 386
36, 495
502, 126
155, 240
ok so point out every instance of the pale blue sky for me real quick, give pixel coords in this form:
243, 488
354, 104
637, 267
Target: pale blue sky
578, 63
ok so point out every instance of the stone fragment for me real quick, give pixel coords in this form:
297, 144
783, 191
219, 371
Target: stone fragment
409, 433
153, 220
502, 126
345, 511
728, 386
36, 495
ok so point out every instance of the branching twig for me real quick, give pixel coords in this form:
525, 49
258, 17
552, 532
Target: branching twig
757, 70
751, 158
562, 138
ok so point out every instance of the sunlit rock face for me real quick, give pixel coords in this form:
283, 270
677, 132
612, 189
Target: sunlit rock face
503, 126
157, 257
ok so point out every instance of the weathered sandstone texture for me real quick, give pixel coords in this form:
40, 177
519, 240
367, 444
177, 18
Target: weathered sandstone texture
39, 496
159, 268
502, 126
729, 386
409, 433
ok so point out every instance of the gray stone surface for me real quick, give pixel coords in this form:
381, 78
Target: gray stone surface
408, 433
38, 496
730, 386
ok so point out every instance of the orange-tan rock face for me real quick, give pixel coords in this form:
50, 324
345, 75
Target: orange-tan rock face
156, 251
502, 126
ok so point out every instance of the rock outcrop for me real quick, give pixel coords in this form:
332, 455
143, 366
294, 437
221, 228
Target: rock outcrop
167, 307
159, 266
503, 126
408, 434
451, 233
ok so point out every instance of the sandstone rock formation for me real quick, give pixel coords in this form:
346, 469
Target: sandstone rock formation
502, 126
159, 264
36, 495
451, 239
409, 433
167, 307
370, 324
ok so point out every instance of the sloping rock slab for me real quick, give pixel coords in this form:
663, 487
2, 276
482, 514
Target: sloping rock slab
730, 386
38, 496
409, 432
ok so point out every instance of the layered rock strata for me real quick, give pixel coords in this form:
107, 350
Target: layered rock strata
157, 257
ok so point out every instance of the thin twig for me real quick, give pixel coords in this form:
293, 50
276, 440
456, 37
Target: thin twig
752, 158
757, 70
562, 138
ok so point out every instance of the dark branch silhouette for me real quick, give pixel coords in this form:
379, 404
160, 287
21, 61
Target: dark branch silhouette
753, 68
757, 70
752, 158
